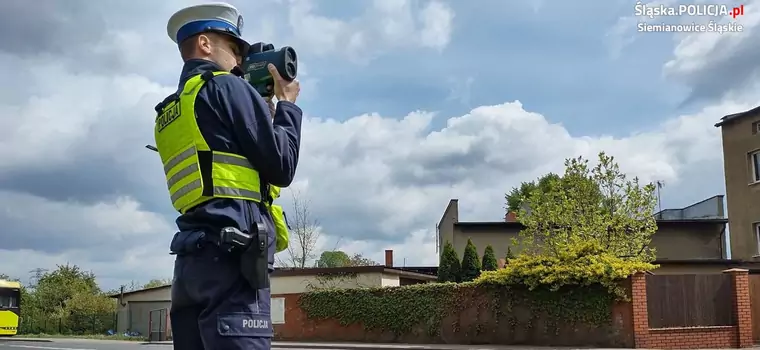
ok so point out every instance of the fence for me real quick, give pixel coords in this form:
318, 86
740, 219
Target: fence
687, 312
754, 292
692, 327
689, 300
74, 325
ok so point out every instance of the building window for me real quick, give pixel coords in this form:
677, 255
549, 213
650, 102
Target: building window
756, 227
755, 163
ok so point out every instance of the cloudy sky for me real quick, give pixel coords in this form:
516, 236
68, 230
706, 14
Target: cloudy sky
408, 104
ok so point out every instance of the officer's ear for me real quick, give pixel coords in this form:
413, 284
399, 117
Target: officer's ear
204, 43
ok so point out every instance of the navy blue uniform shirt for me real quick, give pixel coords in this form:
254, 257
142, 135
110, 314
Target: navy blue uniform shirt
234, 118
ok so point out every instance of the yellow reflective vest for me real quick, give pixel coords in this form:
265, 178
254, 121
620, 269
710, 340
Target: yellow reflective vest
196, 174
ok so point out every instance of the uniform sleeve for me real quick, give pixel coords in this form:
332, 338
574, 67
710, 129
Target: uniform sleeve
272, 147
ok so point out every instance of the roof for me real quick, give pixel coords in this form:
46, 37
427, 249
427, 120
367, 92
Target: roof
9, 284
400, 271
411, 273
519, 226
753, 265
736, 116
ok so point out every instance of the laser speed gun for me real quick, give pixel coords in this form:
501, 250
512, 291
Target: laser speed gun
255, 66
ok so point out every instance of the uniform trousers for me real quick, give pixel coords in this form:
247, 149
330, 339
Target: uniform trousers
213, 305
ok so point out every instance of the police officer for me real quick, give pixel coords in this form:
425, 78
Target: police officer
225, 157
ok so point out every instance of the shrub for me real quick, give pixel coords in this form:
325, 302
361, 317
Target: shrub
489, 260
586, 264
449, 268
470, 262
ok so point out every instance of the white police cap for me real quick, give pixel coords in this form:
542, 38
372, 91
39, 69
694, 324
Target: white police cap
212, 17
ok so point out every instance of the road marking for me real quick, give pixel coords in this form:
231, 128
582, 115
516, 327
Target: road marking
43, 347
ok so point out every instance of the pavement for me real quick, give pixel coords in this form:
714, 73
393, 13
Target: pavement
17, 343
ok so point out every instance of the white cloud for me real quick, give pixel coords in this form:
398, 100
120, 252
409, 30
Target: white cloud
117, 240
385, 25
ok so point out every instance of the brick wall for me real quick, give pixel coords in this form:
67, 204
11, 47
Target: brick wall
629, 328
475, 324
738, 336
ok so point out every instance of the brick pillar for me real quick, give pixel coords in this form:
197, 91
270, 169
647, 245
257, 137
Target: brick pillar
741, 305
640, 312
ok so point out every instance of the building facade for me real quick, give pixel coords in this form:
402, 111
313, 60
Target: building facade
741, 165
696, 232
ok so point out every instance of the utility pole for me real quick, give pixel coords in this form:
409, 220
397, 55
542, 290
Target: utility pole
660, 184
36, 276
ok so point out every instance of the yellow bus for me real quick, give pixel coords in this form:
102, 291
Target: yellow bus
10, 307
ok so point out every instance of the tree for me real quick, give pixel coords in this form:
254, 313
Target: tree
69, 298
449, 269
157, 283
489, 260
338, 258
304, 234
510, 255
518, 195
335, 258
470, 262
591, 206
360, 260
133, 286
57, 287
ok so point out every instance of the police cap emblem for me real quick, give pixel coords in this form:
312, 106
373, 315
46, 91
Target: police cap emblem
240, 24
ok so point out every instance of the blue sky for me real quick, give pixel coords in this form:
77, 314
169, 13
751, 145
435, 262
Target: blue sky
408, 104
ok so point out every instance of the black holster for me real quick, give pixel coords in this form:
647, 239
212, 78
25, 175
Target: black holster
254, 260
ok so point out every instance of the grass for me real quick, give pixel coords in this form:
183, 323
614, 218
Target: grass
84, 336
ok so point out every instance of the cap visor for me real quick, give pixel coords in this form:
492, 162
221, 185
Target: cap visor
243, 45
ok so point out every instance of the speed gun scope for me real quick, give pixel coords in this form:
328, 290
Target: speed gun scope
255, 69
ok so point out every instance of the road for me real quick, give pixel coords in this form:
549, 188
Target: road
86, 344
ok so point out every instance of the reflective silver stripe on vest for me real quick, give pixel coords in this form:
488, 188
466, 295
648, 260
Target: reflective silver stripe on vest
218, 190
225, 159
178, 159
194, 167
187, 171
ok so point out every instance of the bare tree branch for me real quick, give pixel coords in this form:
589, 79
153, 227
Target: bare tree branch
304, 234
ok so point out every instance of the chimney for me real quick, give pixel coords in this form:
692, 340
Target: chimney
510, 217
388, 258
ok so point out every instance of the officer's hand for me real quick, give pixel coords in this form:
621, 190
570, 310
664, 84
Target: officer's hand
284, 90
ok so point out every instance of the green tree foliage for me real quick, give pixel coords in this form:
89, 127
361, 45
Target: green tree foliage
337, 258
584, 264
449, 268
510, 255
489, 260
360, 260
597, 206
70, 299
518, 195
157, 283
470, 262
